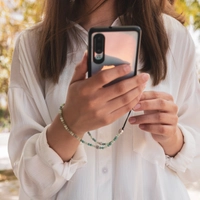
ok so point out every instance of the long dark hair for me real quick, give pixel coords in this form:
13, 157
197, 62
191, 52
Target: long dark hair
57, 33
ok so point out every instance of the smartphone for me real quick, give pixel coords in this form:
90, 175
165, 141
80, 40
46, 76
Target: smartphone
109, 47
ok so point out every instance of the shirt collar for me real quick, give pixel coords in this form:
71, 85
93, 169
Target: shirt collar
116, 22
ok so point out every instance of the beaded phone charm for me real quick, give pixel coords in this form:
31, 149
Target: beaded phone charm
98, 145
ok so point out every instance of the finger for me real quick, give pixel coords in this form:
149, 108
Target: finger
122, 110
156, 95
106, 76
125, 86
80, 70
133, 95
157, 105
154, 118
158, 130
108, 118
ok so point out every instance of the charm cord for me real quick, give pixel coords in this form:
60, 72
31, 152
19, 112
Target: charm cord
98, 145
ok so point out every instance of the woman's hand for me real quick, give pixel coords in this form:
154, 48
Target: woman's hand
160, 119
89, 105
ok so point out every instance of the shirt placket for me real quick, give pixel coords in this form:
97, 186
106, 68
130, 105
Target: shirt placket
104, 165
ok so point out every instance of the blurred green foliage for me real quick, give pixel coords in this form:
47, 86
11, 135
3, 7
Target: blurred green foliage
191, 10
17, 15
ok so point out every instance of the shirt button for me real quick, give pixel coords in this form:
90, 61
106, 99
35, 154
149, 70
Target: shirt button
15, 164
104, 170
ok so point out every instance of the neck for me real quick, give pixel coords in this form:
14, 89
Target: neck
102, 16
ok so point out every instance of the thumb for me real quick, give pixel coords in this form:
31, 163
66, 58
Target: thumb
80, 70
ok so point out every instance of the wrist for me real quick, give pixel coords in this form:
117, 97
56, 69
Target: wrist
72, 123
174, 144
60, 140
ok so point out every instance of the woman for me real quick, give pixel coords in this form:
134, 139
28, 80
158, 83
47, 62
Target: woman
159, 147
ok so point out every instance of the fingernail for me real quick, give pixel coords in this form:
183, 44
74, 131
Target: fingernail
127, 68
137, 106
142, 126
132, 120
85, 54
145, 77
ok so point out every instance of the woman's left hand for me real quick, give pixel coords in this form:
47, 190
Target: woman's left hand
160, 119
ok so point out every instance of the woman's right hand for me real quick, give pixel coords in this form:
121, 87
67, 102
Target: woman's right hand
89, 105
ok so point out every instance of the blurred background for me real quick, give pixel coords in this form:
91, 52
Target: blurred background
17, 15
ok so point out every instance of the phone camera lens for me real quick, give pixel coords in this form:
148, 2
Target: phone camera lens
99, 42
98, 50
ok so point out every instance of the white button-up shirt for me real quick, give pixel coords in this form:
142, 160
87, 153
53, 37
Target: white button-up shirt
135, 167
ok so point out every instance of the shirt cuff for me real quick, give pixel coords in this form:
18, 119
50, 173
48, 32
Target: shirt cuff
182, 160
50, 157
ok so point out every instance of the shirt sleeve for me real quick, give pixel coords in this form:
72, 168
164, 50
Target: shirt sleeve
40, 170
187, 162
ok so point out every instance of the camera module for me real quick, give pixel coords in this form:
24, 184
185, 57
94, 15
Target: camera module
99, 46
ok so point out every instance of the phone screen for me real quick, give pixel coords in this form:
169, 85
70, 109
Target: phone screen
111, 47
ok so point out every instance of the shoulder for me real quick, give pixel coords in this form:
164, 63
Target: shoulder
182, 52
178, 35
26, 50
26, 47
174, 27
25, 60
28, 39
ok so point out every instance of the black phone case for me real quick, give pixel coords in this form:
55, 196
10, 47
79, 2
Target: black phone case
121, 46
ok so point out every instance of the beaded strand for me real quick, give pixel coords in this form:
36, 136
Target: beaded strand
98, 145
